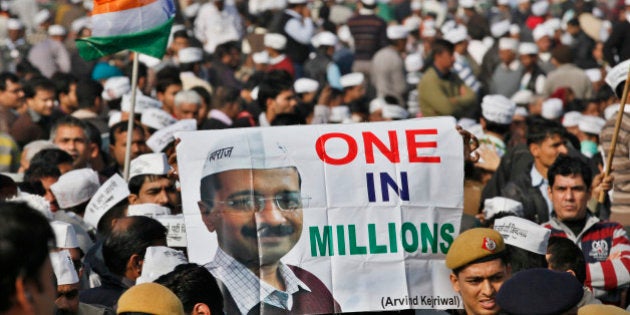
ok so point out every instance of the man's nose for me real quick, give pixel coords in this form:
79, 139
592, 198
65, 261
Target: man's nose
162, 198
563, 149
270, 214
487, 288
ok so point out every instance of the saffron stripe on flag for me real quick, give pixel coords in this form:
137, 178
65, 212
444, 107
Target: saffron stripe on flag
132, 20
107, 6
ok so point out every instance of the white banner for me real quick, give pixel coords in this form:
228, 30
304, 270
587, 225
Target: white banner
381, 204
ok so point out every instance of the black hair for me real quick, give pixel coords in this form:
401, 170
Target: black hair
181, 34
605, 93
52, 156
224, 49
540, 129
38, 83
120, 245
163, 83
565, 255
87, 93
521, 259
440, 45
104, 225
37, 171
63, 81
563, 54
22, 227
566, 165
120, 127
492, 126
136, 182
204, 94
194, 284
8, 188
574, 22
274, 83
7, 76
288, 119
70, 121
224, 96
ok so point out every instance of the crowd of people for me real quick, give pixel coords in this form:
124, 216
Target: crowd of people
536, 83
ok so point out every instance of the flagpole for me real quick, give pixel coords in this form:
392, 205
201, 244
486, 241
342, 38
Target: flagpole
130, 122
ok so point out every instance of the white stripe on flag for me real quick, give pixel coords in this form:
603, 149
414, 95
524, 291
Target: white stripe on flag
133, 20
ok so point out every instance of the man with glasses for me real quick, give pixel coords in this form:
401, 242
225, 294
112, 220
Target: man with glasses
251, 197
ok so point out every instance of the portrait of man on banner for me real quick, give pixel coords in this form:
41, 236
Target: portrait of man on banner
251, 198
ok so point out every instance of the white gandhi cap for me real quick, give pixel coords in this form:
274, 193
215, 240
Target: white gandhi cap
493, 206
113, 191
617, 75
552, 108
65, 235
63, 268
158, 261
147, 210
143, 103
247, 150
156, 118
395, 32
56, 30
163, 137
498, 108
116, 87
149, 164
275, 41
591, 124
190, 55
523, 234
571, 119
75, 187
352, 79
305, 85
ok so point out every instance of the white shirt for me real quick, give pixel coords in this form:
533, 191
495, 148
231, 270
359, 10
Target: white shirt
299, 28
214, 27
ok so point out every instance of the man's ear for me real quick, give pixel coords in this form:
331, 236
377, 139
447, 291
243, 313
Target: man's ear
534, 149
454, 282
23, 298
206, 216
93, 151
133, 198
200, 309
269, 103
134, 266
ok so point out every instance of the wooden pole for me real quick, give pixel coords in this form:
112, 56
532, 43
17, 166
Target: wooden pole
613, 143
130, 122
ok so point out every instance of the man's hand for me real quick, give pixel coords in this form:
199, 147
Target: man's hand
470, 145
601, 184
489, 158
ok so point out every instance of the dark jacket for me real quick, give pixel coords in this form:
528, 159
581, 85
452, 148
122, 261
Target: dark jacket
534, 204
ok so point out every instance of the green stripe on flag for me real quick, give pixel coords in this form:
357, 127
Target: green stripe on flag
150, 42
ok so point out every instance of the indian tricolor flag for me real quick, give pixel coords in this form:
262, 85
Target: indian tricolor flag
142, 26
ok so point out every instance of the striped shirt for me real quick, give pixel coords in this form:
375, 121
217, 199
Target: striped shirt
598, 240
621, 162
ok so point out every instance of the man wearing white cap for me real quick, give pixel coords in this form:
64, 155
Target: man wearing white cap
354, 90
543, 35
14, 47
275, 45
506, 77
41, 22
262, 184
296, 25
149, 182
322, 68
218, 22
441, 92
369, 33
533, 77
465, 66
496, 116
388, 67
50, 55
525, 240
190, 59
590, 127
620, 205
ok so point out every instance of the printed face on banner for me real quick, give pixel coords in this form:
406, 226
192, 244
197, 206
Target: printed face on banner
257, 214
325, 219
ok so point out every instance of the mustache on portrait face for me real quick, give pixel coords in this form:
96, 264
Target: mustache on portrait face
266, 230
